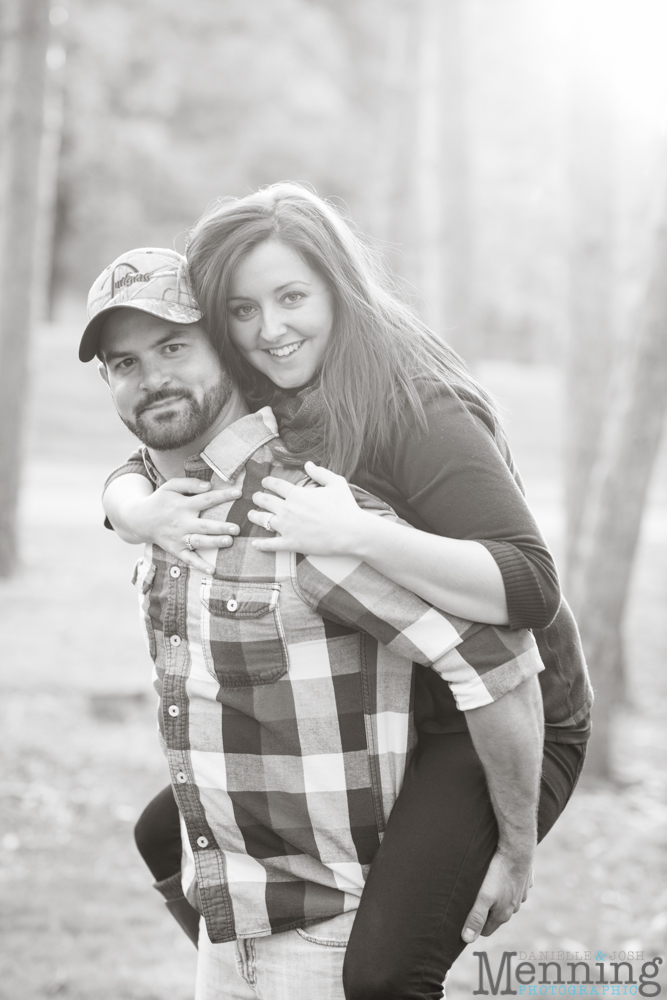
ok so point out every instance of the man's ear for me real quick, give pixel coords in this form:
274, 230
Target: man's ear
103, 373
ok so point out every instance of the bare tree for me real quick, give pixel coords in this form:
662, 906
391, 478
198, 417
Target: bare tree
17, 248
591, 285
441, 172
612, 515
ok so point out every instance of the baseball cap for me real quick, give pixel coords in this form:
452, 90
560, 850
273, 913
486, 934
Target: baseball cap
150, 279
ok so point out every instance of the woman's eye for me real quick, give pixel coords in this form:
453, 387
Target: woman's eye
291, 298
243, 312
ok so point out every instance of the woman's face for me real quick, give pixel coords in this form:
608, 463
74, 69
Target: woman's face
280, 314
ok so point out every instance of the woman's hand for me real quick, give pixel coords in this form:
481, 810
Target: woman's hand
169, 517
318, 522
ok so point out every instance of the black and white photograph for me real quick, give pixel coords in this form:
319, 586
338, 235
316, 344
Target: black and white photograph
333, 499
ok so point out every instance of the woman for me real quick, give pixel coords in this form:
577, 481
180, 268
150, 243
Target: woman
308, 321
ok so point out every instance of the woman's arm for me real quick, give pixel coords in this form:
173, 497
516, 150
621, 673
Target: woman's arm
448, 479
168, 515
466, 581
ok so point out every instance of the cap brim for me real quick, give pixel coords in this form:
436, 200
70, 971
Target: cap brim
171, 311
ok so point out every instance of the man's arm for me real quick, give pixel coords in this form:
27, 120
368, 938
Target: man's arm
491, 672
481, 663
508, 737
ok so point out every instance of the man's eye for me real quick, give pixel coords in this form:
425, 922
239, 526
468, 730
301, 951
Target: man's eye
125, 363
173, 348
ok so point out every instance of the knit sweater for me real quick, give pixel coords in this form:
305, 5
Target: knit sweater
457, 478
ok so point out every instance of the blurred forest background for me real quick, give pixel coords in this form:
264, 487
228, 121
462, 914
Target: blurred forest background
510, 156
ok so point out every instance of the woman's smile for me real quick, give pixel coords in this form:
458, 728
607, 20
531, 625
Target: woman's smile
280, 314
286, 351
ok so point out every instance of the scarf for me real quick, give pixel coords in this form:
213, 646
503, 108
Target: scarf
300, 416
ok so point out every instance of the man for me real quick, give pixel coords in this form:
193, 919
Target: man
284, 682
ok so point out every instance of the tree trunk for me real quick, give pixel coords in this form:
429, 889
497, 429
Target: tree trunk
619, 484
54, 114
441, 176
591, 285
393, 131
21, 164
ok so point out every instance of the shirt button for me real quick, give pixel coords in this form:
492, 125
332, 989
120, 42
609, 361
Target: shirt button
175, 640
174, 572
202, 842
232, 605
173, 711
181, 777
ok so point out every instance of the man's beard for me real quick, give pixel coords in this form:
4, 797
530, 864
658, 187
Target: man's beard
167, 429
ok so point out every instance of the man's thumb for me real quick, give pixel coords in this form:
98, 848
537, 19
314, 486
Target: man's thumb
474, 923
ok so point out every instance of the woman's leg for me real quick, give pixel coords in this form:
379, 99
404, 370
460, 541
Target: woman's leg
439, 842
158, 838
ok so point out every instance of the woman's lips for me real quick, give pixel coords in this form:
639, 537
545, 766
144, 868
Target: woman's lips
287, 351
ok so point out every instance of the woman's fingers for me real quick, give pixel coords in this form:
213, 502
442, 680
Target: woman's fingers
279, 486
268, 502
261, 517
325, 477
214, 498
186, 486
276, 544
198, 541
195, 561
206, 527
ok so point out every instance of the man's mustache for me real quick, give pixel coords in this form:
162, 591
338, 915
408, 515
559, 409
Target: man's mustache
159, 396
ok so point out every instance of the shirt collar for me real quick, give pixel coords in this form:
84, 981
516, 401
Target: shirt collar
230, 450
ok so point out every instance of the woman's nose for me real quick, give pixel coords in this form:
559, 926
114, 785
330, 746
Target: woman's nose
273, 325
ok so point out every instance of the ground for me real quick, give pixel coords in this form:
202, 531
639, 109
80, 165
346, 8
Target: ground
79, 754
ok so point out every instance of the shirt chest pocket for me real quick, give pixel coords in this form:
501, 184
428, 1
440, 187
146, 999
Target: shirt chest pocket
242, 635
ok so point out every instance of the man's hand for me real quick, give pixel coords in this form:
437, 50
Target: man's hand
170, 516
508, 738
504, 889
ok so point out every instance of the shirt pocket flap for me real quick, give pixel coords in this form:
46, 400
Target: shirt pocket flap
241, 600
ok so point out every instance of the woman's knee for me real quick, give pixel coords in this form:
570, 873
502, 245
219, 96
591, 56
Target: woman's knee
368, 979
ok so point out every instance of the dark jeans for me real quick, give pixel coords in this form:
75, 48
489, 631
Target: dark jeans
425, 877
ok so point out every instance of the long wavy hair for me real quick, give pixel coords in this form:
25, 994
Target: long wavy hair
379, 348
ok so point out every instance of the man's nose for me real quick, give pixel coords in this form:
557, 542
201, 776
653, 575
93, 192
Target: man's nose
154, 376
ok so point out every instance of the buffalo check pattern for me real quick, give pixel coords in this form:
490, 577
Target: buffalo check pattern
285, 703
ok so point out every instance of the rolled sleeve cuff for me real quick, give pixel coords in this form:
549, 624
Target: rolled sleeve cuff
135, 466
488, 665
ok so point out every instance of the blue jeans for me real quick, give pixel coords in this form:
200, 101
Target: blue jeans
304, 964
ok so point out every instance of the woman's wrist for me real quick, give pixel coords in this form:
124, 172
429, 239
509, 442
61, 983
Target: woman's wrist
362, 536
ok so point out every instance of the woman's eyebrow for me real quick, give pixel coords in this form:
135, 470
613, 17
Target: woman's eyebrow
279, 288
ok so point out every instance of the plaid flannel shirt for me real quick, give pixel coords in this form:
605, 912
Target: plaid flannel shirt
285, 709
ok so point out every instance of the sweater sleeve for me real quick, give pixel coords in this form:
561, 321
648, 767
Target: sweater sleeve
460, 484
